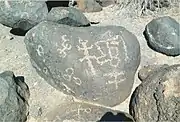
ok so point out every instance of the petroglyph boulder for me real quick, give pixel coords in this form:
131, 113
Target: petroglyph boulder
163, 35
23, 14
95, 64
83, 112
69, 16
157, 99
14, 95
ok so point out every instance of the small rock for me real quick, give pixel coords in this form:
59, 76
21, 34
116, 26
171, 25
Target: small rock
14, 95
82, 112
149, 70
163, 35
105, 3
68, 16
157, 99
23, 14
88, 6
94, 63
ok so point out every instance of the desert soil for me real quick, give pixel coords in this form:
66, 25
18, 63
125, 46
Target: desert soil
44, 98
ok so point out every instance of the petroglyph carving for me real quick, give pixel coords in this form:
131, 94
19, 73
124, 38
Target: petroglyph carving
65, 47
79, 111
87, 56
69, 76
108, 48
69, 90
40, 50
117, 77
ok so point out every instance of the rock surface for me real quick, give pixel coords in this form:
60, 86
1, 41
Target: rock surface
14, 95
163, 35
88, 6
145, 71
94, 63
105, 3
83, 112
157, 99
68, 16
23, 14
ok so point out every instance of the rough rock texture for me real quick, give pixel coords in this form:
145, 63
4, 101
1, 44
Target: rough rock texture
14, 95
23, 14
83, 112
163, 35
157, 99
88, 5
93, 63
68, 15
105, 3
149, 69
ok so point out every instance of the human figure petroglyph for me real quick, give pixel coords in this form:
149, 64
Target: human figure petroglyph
65, 47
117, 76
87, 56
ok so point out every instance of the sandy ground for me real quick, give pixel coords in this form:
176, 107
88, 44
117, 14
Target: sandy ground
14, 57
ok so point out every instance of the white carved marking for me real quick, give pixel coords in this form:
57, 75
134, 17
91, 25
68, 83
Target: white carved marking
113, 52
125, 48
77, 81
86, 110
116, 80
67, 89
69, 76
86, 57
66, 47
40, 50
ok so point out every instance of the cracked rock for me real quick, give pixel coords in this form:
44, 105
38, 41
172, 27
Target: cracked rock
14, 95
94, 64
157, 98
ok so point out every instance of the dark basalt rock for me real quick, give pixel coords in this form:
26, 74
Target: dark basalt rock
83, 112
68, 16
94, 63
163, 35
14, 95
157, 98
22, 14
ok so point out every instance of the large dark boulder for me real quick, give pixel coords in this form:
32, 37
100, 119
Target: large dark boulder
163, 35
14, 95
157, 98
23, 14
83, 112
93, 63
68, 16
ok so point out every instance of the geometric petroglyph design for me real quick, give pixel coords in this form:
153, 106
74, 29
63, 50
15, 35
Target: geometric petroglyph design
69, 76
79, 111
65, 47
107, 47
117, 77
